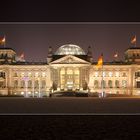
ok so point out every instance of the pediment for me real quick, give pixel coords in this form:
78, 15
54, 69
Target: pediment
70, 59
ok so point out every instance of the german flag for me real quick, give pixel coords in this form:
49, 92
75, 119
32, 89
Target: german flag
2, 40
100, 61
133, 41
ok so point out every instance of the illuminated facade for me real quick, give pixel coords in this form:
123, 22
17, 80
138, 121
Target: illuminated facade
70, 68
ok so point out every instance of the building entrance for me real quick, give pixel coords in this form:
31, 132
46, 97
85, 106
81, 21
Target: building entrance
69, 78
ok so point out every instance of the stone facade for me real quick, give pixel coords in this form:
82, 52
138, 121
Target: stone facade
68, 69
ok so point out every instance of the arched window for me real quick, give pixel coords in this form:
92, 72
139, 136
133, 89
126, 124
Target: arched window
15, 74
1, 84
36, 84
43, 83
124, 83
29, 84
117, 83
110, 84
2, 74
96, 84
15, 84
104, 83
124, 74
22, 84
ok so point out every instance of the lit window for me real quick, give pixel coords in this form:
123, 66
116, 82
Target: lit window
104, 74
22, 74
117, 74
29, 74
96, 84
110, 74
15, 83
96, 74
36, 74
43, 74
124, 83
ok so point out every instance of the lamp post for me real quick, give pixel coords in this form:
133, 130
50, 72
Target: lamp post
39, 94
26, 79
39, 86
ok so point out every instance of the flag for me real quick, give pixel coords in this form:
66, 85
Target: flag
100, 61
2, 40
133, 41
115, 55
22, 56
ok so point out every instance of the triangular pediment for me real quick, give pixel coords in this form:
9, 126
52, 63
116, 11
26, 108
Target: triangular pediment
70, 59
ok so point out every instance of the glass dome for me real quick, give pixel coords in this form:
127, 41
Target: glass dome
70, 49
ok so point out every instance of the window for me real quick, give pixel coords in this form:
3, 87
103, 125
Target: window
96, 84
117, 83
104, 83
43, 83
15, 74
110, 84
36, 84
1, 84
22, 84
62, 71
117, 74
2, 74
36, 74
124, 74
138, 84
137, 74
29, 74
96, 74
15, 84
110, 74
29, 84
22, 74
43, 74
124, 83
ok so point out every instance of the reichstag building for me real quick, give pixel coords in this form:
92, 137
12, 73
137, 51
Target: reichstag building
70, 68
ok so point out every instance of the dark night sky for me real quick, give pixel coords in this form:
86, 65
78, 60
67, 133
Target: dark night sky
34, 39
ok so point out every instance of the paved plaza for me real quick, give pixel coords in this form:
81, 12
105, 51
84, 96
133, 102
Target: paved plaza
70, 105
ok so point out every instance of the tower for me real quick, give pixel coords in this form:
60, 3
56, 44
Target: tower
89, 54
7, 55
132, 55
50, 53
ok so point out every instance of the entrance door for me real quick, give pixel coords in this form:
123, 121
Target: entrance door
70, 85
70, 79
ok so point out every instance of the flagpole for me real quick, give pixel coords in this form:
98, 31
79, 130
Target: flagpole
102, 83
4, 41
135, 41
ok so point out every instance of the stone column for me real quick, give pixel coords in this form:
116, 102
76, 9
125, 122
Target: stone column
65, 86
33, 85
80, 73
79, 78
58, 84
6, 76
10, 89
73, 78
